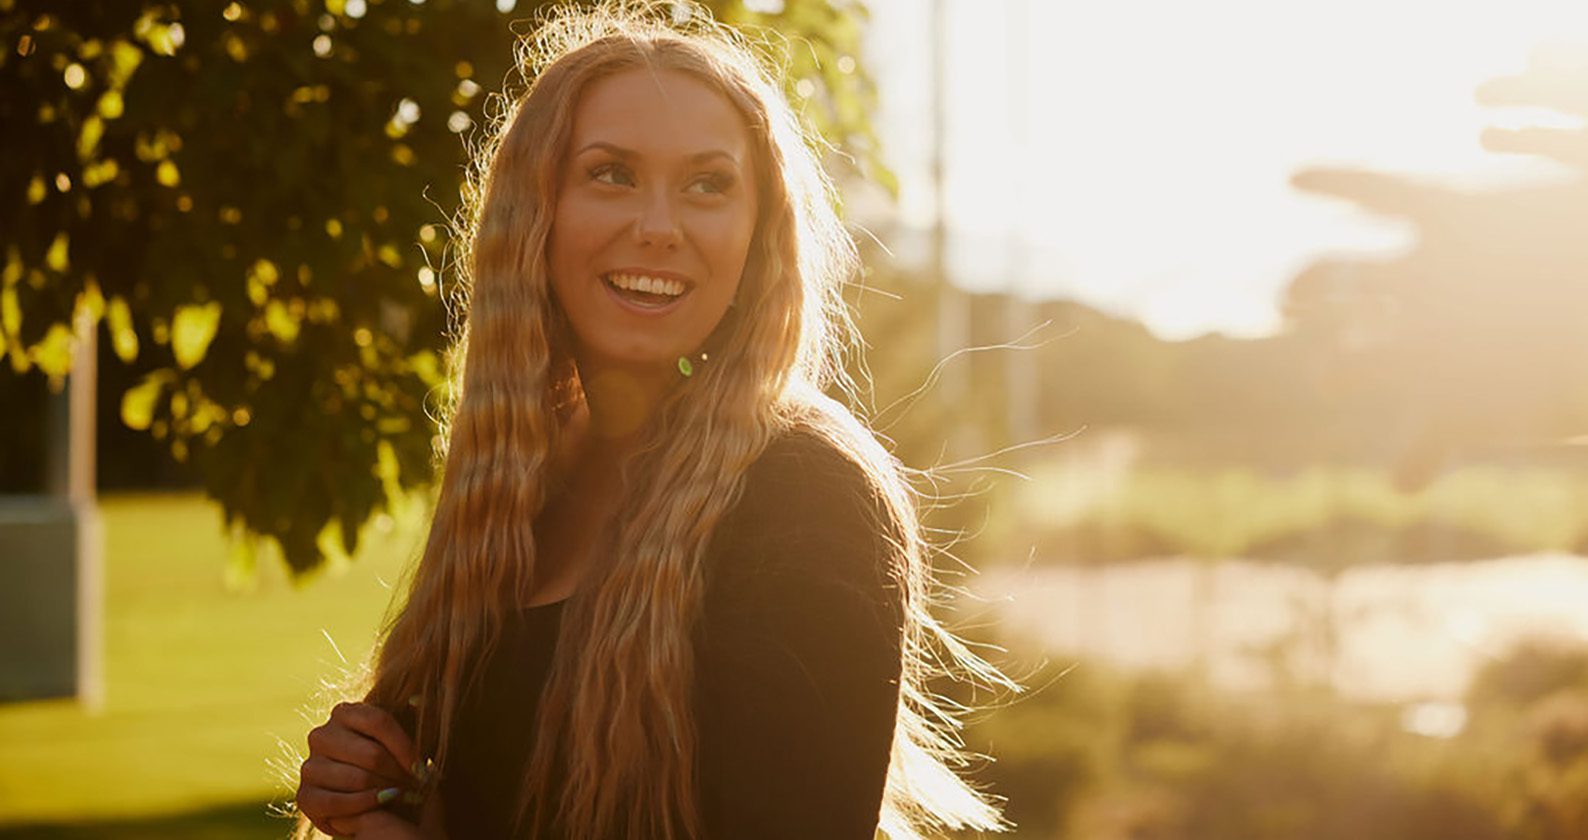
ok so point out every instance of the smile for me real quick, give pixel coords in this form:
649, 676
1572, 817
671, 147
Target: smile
645, 292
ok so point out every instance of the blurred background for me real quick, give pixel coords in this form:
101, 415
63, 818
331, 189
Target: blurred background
1243, 347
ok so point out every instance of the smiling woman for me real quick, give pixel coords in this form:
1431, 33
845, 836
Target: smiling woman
654, 604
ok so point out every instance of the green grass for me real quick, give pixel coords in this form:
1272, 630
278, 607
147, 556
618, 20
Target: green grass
245, 820
204, 682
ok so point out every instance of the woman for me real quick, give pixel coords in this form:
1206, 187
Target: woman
670, 590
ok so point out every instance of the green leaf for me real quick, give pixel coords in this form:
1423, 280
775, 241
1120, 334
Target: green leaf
280, 322
427, 366
168, 174
10, 313
192, 329
14, 268
123, 338
88, 139
111, 105
56, 256
124, 60
53, 353
137, 404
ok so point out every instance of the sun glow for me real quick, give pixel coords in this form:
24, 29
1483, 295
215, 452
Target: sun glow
1137, 155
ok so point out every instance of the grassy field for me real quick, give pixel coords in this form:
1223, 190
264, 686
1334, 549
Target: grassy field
205, 683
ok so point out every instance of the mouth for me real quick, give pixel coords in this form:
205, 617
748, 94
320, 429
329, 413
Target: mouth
646, 291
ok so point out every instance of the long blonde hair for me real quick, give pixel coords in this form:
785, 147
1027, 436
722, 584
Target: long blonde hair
616, 710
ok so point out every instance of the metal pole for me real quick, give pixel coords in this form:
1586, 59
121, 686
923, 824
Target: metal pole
952, 326
1020, 371
70, 478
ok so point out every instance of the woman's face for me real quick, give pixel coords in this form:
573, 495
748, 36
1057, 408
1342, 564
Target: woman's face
654, 217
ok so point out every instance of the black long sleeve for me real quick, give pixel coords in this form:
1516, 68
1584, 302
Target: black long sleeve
796, 672
799, 653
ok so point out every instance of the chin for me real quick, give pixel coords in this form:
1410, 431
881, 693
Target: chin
641, 358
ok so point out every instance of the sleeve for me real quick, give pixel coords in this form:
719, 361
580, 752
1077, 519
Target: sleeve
799, 661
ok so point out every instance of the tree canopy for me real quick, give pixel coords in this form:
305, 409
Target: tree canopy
253, 199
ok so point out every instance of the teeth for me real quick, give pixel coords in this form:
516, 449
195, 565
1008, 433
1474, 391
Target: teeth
643, 283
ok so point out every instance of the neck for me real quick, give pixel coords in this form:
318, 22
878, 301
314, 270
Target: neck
621, 401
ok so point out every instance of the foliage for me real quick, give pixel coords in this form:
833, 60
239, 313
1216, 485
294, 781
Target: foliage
1474, 337
1324, 517
1100, 754
252, 198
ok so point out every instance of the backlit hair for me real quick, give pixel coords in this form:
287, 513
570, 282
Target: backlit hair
616, 709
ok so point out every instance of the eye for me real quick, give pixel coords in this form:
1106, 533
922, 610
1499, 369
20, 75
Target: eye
712, 183
612, 173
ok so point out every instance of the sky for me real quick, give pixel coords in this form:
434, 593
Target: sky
1136, 154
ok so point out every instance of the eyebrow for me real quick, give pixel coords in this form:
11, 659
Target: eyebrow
619, 151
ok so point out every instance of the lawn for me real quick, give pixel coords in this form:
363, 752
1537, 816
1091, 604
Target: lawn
205, 682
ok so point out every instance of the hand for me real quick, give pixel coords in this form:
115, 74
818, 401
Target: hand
358, 761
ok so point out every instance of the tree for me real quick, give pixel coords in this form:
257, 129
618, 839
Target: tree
1475, 337
252, 199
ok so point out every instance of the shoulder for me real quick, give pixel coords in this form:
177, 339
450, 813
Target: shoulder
801, 458
809, 562
805, 483
810, 553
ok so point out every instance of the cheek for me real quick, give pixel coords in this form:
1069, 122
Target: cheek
729, 244
577, 229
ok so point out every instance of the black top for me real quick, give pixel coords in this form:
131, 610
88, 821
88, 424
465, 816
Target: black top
797, 665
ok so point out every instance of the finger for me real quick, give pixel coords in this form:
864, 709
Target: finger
374, 722
320, 804
329, 774
336, 741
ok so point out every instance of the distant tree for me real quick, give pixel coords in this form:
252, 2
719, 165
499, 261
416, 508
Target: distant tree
1476, 337
255, 196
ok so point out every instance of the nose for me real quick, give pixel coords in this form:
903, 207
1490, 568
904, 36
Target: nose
658, 222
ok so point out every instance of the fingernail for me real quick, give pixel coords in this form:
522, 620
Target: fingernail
387, 795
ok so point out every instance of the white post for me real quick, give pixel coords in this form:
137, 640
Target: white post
82, 458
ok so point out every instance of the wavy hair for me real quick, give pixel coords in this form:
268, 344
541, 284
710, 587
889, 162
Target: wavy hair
616, 710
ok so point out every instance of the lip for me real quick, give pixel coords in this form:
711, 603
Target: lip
646, 311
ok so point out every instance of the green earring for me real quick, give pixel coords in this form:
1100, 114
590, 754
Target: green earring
686, 367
